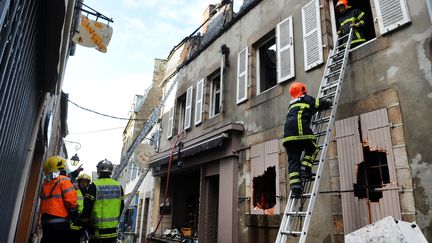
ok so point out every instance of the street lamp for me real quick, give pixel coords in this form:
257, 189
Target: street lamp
75, 159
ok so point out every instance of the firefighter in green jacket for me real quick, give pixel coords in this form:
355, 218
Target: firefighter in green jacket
83, 181
299, 137
103, 204
351, 18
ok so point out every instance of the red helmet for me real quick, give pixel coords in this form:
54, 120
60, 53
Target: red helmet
342, 2
297, 89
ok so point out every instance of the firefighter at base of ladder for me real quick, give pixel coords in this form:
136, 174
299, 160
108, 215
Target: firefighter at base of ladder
58, 202
298, 135
103, 204
83, 181
350, 18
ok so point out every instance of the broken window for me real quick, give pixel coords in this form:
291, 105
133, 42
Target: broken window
215, 94
264, 186
372, 175
266, 65
264, 189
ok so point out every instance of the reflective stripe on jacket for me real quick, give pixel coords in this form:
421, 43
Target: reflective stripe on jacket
80, 209
106, 209
353, 16
298, 119
58, 197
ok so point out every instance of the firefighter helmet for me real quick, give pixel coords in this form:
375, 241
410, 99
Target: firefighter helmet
54, 164
297, 89
104, 166
84, 176
342, 3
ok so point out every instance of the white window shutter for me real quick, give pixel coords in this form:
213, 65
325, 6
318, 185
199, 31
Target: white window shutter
170, 122
312, 38
285, 50
222, 70
391, 14
199, 102
242, 78
188, 110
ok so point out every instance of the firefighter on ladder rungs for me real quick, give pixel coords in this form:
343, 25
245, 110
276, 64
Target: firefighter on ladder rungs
299, 137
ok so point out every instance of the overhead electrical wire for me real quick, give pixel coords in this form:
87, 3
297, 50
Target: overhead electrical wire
101, 114
95, 131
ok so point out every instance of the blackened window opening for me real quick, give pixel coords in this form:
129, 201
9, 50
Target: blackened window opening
368, 29
264, 189
372, 175
267, 65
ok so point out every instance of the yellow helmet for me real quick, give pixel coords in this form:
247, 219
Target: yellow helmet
54, 164
84, 176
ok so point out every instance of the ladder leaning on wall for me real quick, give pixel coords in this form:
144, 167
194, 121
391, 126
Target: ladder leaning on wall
298, 211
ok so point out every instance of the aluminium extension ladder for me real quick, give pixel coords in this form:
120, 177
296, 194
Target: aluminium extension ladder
298, 211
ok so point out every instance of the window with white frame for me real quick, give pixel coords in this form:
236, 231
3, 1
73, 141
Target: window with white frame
181, 112
215, 94
380, 16
266, 64
184, 110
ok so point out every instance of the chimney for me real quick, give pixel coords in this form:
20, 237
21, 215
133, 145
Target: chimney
207, 14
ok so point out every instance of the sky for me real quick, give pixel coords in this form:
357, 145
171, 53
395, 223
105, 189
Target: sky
108, 82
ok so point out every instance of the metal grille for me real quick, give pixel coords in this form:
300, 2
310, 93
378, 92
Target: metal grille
19, 98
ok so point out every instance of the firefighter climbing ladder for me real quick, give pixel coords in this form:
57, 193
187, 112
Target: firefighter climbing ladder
298, 211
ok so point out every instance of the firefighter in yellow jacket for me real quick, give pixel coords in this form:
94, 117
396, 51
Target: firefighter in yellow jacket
298, 135
103, 204
83, 181
58, 201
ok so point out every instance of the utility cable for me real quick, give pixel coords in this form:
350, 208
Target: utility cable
101, 114
95, 131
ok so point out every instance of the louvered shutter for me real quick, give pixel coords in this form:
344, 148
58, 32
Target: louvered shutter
285, 50
375, 129
222, 70
199, 102
312, 38
170, 122
391, 14
350, 154
242, 78
188, 111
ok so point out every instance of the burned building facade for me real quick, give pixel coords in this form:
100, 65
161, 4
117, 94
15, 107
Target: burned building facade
221, 171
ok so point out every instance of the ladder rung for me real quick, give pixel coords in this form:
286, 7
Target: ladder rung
301, 213
329, 86
329, 95
338, 54
332, 74
342, 37
338, 62
321, 121
320, 134
296, 233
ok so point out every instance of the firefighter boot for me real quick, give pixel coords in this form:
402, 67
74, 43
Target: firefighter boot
296, 190
305, 173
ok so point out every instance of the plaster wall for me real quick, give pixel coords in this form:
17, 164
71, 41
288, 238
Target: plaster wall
400, 60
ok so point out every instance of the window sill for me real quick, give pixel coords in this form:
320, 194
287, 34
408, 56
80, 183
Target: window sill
369, 48
218, 119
